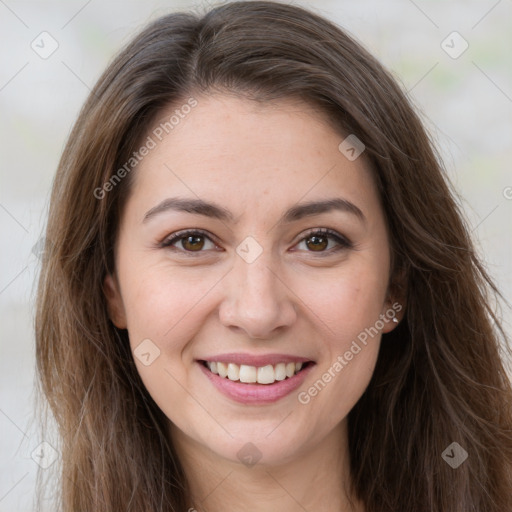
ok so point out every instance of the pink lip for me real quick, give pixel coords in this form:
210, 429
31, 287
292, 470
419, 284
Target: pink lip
255, 360
256, 394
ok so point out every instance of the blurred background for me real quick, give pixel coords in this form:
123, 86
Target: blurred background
452, 57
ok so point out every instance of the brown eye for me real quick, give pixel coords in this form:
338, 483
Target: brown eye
193, 243
190, 242
325, 241
317, 243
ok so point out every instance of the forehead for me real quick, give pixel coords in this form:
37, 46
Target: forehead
239, 151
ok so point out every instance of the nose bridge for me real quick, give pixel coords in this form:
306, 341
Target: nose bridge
256, 299
259, 281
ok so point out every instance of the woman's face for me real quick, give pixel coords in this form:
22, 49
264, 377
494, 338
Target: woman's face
258, 288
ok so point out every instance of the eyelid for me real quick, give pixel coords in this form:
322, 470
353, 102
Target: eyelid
178, 235
342, 239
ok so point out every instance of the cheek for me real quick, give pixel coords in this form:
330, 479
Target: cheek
346, 301
339, 386
350, 306
165, 304
350, 348
167, 308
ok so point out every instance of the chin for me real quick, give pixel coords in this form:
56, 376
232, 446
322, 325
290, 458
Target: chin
266, 442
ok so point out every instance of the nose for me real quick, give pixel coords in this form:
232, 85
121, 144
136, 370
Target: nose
257, 301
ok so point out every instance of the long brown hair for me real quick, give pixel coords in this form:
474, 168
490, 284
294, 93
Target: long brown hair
440, 377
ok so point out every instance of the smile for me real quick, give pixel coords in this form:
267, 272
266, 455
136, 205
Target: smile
267, 374
255, 380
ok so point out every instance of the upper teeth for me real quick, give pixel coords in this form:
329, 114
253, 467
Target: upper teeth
251, 374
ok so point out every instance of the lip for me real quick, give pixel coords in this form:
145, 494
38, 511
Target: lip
257, 394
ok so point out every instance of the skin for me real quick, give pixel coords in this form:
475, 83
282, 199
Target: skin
256, 160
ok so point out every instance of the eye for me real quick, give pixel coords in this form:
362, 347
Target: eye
318, 240
191, 241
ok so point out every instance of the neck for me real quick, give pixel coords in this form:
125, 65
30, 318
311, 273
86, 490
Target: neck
317, 479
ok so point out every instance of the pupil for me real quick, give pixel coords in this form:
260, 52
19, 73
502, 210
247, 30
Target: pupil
193, 242
319, 243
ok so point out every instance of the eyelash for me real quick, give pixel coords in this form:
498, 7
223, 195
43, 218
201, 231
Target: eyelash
344, 243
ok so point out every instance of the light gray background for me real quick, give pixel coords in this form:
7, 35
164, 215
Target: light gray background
467, 105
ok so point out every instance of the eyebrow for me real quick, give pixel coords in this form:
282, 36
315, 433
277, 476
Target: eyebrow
212, 210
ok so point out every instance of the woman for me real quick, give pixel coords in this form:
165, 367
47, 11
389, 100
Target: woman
258, 291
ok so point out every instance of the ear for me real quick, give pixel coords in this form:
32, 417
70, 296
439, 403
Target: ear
394, 305
393, 310
114, 301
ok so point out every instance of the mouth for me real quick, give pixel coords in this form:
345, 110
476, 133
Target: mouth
248, 374
255, 380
